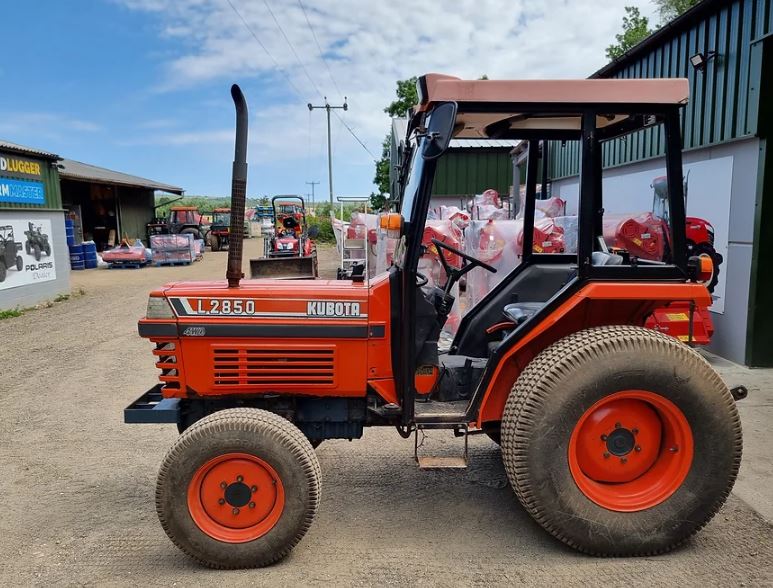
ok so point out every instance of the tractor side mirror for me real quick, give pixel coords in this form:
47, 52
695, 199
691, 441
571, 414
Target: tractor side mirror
313, 231
439, 130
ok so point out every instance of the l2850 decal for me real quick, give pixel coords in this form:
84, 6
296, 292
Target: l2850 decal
267, 308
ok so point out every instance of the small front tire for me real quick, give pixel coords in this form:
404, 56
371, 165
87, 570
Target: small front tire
238, 489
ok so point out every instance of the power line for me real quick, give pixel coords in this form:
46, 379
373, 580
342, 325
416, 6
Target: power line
348, 128
305, 71
289, 44
319, 48
276, 63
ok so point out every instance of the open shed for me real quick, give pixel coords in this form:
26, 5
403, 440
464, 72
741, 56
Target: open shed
107, 205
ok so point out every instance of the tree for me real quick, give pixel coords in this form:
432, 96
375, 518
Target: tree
407, 98
670, 9
635, 29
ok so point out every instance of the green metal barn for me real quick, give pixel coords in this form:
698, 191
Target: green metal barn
725, 49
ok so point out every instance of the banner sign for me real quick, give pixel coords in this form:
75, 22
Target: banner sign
26, 252
22, 192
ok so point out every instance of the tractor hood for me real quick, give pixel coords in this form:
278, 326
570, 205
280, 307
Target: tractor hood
287, 301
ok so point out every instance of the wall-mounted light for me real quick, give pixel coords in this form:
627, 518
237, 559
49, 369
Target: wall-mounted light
699, 60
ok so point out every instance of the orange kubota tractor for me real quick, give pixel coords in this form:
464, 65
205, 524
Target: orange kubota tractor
617, 439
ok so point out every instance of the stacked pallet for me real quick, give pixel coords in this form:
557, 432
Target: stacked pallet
173, 249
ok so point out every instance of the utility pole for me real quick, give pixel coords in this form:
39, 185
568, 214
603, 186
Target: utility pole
312, 184
328, 108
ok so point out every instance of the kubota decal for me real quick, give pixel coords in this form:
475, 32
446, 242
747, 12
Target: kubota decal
265, 308
333, 308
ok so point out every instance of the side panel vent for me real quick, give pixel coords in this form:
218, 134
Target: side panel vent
251, 366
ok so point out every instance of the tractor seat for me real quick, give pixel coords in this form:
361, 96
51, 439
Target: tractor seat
518, 312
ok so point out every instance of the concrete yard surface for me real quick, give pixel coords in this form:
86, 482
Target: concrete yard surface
78, 485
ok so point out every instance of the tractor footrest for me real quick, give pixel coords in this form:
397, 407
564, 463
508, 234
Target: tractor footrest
441, 462
432, 462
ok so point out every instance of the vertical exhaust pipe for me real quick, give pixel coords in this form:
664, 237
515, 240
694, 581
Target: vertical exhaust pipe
238, 191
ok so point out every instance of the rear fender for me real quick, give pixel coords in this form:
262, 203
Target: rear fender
596, 304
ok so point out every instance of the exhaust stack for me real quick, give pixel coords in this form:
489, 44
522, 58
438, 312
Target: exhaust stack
238, 191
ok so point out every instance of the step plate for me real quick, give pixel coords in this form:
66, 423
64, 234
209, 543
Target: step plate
430, 462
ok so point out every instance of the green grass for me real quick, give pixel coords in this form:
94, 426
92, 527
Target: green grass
12, 313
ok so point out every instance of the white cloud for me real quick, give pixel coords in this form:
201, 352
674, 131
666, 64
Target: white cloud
49, 125
368, 46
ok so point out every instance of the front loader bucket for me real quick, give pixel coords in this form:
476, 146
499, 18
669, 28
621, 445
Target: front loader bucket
285, 268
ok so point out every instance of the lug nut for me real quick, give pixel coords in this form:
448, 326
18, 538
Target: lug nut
606, 455
617, 425
635, 431
223, 485
674, 449
603, 437
240, 478
254, 489
252, 505
235, 511
221, 502
623, 459
637, 448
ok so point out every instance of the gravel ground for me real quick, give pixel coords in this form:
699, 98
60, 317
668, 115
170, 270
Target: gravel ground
78, 484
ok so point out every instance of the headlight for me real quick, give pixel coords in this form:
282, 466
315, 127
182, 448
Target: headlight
159, 308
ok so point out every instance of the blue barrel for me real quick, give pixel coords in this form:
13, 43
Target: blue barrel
89, 254
69, 230
77, 261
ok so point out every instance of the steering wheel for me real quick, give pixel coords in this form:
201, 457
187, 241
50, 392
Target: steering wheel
471, 261
421, 280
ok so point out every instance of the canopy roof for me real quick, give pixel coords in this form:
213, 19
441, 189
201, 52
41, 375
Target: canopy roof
510, 109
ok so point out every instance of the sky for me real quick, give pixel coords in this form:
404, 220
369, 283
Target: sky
143, 86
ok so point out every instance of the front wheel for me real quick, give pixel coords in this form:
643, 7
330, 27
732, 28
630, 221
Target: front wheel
214, 243
621, 441
36, 251
239, 489
19, 263
47, 249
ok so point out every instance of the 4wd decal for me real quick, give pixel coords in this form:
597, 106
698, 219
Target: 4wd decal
215, 307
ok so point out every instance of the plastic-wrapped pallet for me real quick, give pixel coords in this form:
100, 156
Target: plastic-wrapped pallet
173, 248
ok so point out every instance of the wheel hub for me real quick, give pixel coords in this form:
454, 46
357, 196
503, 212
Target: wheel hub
630, 450
235, 497
620, 442
238, 494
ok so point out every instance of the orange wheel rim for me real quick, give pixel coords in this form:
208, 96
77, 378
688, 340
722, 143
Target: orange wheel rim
236, 497
631, 450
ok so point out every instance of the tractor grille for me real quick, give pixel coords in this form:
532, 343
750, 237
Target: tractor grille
167, 363
269, 367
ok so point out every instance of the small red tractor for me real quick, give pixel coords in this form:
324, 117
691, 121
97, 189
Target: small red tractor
617, 439
219, 230
290, 252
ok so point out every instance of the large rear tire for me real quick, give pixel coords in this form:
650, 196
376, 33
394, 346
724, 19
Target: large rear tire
238, 489
621, 441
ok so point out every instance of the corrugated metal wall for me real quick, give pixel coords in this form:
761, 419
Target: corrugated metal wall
724, 99
471, 171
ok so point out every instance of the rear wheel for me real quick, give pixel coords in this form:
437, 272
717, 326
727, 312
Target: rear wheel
240, 488
716, 258
47, 249
2, 271
28, 247
214, 242
621, 441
